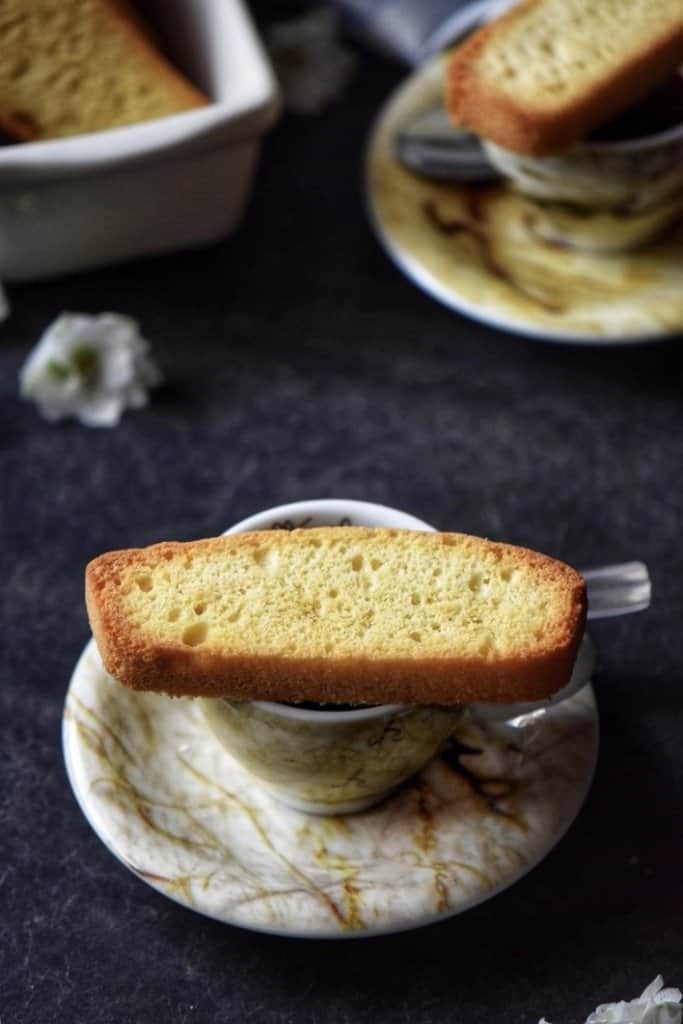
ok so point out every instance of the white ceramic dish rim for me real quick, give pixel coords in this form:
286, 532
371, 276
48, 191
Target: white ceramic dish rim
331, 717
252, 106
482, 11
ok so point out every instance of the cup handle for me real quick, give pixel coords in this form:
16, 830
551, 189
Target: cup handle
580, 677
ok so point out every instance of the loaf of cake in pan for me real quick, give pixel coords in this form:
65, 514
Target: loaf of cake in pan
81, 66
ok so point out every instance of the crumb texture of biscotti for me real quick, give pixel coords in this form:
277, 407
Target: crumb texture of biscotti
544, 75
338, 615
77, 66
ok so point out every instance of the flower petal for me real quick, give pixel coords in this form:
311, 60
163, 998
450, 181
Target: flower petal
312, 67
91, 368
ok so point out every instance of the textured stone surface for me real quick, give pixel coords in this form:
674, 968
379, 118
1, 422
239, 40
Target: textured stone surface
301, 364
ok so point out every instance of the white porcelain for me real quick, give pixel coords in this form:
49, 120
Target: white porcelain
330, 761
502, 260
330, 512
176, 810
80, 202
341, 761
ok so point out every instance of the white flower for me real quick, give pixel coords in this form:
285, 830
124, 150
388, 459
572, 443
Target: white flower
91, 368
657, 1005
310, 64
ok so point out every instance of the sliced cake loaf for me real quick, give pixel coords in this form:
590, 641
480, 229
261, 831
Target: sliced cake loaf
544, 75
77, 66
338, 615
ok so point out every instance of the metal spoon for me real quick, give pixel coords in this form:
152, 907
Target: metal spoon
617, 589
433, 147
612, 590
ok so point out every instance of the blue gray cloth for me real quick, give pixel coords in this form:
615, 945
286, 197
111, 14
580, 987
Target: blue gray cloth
402, 28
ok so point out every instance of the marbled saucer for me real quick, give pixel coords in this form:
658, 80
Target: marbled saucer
168, 801
502, 258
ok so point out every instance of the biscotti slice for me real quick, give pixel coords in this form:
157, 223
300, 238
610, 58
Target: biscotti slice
544, 75
82, 66
343, 615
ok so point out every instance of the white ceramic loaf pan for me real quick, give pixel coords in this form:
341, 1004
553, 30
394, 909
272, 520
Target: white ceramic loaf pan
81, 202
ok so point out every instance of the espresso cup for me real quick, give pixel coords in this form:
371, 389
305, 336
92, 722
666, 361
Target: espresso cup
630, 175
601, 196
339, 759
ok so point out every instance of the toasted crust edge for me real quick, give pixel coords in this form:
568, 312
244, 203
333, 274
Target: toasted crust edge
134, 662
481, 108
143, 34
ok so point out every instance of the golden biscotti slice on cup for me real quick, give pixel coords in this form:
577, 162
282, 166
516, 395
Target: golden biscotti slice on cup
342, 615
544, 75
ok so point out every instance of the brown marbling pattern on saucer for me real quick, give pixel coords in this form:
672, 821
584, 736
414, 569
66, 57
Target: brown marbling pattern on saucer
178, 811
499, 256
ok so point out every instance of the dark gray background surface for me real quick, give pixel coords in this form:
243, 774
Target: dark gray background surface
300, 363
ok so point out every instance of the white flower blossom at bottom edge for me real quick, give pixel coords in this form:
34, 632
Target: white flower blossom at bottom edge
656, 1005
311, 66
91, 368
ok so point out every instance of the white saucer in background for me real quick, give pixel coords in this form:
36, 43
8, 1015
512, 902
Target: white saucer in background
480, 250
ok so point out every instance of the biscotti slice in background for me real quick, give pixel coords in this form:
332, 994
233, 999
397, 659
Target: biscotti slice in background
81, 66
547, 73
341, 615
